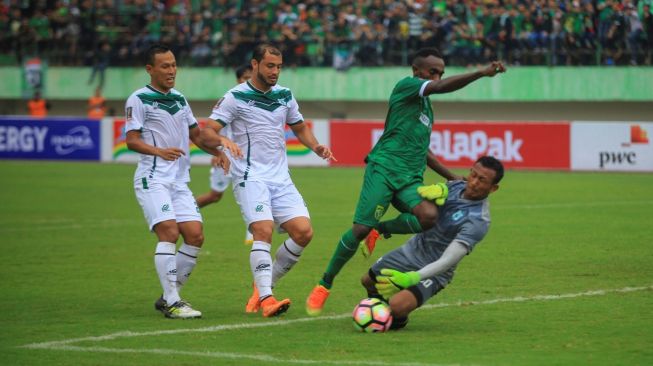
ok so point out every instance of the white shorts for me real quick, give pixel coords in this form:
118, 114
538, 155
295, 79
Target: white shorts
259, 201
166, 201
219, 180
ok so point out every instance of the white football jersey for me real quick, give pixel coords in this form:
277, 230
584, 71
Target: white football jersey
164, 120
257, 122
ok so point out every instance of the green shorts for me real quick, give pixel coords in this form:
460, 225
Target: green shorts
382, 187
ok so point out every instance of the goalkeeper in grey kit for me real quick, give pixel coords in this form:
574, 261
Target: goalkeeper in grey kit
416, 271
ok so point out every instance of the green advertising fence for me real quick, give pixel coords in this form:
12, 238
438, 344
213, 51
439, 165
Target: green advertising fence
519, 84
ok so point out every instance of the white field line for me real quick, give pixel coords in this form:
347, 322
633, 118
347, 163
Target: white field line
66, 345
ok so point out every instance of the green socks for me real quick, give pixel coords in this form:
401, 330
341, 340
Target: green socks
405, 223
346, 248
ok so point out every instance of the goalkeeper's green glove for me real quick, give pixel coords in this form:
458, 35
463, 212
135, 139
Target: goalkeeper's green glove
437, 193
391, 281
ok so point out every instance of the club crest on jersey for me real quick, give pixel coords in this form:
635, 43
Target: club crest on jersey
426, 121
251, 103
378, 212
165, 208
456, 216
259, 208
155, 105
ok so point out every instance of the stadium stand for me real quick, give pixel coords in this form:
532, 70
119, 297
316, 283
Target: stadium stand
330, 33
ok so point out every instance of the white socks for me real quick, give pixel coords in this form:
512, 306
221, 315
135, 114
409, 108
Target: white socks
166, 268
186, 259
286, 257
260, 262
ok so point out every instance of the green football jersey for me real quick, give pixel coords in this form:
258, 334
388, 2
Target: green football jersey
407, 133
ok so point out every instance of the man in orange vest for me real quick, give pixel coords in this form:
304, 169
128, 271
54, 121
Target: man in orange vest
37, 106
97, 106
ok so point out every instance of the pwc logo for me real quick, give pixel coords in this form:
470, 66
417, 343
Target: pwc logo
638, 136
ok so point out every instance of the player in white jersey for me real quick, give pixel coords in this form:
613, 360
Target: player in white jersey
159, 125
425, 264
257, 112
218, 179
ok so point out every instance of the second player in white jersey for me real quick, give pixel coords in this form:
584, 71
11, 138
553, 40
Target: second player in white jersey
258, 112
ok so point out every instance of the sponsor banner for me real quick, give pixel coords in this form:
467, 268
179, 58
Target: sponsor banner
542, 145
298, 154
612, 146
49, 138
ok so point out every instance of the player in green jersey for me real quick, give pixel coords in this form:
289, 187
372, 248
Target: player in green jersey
396, 164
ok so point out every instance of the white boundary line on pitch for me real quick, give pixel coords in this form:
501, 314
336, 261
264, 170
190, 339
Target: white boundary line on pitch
66, 345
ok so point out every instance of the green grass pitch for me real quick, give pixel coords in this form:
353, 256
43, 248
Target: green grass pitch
78, 280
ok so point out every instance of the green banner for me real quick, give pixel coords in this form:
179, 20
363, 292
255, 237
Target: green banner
519, 84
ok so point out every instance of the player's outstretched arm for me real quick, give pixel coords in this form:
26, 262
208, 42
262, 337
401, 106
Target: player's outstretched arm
456, 82
392, 281
454, 253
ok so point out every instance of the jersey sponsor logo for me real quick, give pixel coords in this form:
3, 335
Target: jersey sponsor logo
378, 212
165, 208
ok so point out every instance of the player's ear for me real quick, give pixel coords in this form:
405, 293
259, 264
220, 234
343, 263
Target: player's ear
495, 187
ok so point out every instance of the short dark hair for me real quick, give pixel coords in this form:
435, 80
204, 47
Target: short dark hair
424, 53
240, 70
494, 164
260, 50
153, 50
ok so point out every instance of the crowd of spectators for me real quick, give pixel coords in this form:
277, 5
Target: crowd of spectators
336, 33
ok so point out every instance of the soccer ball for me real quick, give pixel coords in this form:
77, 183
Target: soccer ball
372, 315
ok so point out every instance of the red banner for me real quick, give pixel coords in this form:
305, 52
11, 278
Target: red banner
540, 145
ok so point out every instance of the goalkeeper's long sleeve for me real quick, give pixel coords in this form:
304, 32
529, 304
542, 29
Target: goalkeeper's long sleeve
451, 256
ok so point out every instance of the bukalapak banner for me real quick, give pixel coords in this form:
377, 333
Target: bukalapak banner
49, 138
